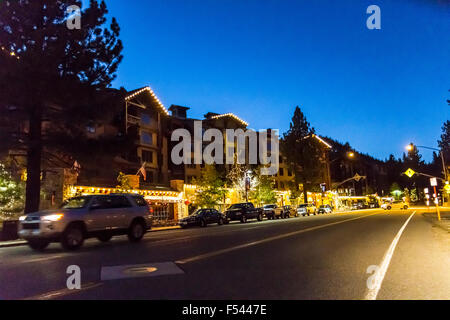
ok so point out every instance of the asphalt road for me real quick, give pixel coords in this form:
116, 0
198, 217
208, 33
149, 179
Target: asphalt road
316, 257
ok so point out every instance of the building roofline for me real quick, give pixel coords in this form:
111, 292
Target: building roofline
139, 91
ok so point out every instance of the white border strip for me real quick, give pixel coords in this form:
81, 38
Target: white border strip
379, 276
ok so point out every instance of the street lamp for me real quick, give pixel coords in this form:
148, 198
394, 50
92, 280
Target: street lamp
410, 147
349, 155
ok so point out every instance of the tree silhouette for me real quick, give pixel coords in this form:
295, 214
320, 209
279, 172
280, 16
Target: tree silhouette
303, 154
54, 80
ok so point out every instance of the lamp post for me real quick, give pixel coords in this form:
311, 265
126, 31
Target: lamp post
410, 147
350, 155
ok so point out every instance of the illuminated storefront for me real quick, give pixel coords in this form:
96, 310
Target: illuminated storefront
165, 205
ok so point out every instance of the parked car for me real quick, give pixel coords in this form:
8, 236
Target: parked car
307, 209
269, 211
243, 212
285, 212
325, 208
291, 211
79, 218
202, 217
302, 209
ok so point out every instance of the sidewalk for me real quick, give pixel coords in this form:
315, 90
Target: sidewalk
15, 243
431, 216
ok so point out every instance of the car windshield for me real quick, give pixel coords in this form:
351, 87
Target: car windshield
197, 212
237, 206
269, 206
303, 205
76, 203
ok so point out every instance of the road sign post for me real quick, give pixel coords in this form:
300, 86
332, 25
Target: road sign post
433, 182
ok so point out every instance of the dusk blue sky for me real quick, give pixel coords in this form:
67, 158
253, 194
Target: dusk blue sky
376, 89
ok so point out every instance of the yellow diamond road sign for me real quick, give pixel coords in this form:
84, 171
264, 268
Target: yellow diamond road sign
410, 172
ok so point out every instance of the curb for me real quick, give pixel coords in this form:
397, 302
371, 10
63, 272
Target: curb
444, 224
16, 243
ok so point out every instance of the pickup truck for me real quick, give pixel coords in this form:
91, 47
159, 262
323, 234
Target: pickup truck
243, 212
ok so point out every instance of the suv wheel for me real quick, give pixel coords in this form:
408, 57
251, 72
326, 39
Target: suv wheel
220, 222
203, 223
104, 237
243, 219
38, 245
136, 231
72, 238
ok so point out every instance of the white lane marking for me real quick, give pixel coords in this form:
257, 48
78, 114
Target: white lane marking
64, 292
254, 243
43, 259
379, 276
151, 269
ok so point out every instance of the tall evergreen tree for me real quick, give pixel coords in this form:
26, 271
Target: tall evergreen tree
444, 142
302, 153
53, 79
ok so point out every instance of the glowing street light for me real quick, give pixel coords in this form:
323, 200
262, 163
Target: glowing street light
410, 147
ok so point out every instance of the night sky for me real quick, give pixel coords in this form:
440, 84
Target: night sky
376, 89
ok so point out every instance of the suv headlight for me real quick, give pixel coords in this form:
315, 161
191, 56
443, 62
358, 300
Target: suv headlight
53, 217
22, 218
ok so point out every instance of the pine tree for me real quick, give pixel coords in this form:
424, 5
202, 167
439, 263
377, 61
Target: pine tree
52, 75
302, 153
444, 143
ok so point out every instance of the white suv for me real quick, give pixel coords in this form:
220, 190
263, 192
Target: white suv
100, 216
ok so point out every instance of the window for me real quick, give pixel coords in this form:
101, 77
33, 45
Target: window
120, 202
149, 176
76, 203
147, 156
146, 119
281, 172
139, 201
289, 173
101, 202
282, 185
146, 138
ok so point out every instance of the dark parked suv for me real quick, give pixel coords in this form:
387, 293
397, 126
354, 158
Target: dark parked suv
100, 216
243, 212
202, 217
